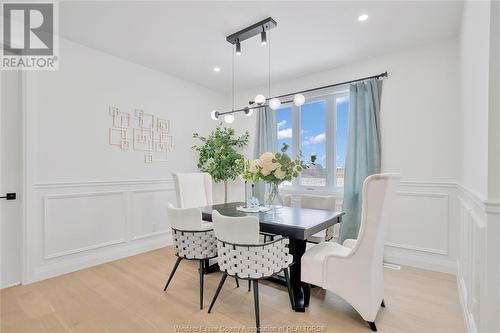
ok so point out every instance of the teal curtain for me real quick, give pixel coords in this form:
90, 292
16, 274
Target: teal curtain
363, 153
265, 140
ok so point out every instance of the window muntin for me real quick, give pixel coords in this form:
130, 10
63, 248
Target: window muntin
341, 118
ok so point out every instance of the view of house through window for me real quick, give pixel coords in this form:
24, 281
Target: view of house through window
319, 130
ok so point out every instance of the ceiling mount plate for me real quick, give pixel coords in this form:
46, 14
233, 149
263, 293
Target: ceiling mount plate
253, 30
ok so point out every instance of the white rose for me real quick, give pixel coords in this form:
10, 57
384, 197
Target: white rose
280, 174
253, 166
267, 158
271, 166
265, 171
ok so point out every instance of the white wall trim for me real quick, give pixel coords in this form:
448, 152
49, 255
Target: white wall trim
92, 259
93, 183
416, 248
47, 198
152, 234
82, 249
492, 207
422, 194
451, 185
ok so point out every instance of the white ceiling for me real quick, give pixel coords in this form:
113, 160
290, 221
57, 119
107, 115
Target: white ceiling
187, 39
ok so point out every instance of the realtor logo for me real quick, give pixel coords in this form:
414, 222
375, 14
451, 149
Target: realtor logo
29, 36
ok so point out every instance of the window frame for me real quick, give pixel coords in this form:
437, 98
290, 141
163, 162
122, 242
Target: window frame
330, 99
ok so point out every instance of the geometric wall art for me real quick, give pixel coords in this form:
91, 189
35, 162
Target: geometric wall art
141, 131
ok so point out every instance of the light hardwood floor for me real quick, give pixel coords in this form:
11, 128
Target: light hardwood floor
127, 296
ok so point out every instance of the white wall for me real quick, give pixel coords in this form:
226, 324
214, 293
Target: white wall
88, 201
419, 108
474, 66
478, 271
420, 134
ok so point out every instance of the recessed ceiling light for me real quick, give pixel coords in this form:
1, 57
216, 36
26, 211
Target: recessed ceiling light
216, 69
362, 17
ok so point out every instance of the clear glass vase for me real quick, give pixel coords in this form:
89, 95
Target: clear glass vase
274, 199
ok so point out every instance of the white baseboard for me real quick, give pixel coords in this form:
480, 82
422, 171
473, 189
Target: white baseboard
470, 323
100, 257
10, 285
429, 261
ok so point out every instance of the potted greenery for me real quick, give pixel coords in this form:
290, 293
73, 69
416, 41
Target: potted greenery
219, 155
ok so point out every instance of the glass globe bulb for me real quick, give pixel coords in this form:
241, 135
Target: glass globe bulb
274, 103
299, 99
260, 99
249, 112
214, 115
229, 118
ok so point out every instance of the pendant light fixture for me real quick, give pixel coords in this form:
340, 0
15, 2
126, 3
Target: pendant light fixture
258, 28
263, 37
238, 48
299, 99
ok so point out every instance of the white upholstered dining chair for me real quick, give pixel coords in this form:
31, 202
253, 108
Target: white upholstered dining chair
324, 202
240, 254
193, 240
193, 189
355, 272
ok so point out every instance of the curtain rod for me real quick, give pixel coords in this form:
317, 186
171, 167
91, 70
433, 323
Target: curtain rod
248, 108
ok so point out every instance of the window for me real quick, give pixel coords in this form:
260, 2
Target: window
319, 130
313, 143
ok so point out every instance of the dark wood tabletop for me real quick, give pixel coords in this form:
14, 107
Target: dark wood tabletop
295, 222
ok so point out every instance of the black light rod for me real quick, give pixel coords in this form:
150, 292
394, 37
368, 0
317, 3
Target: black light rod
384, 74
253, 30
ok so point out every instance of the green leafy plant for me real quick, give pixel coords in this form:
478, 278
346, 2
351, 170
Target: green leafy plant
313, 159
219, 154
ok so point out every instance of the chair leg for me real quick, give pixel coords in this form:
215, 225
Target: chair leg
221, 283
256, 303
372, 326
383, 304
249, 285
307, 294
289, 287
173, 272
237, 282
201, 284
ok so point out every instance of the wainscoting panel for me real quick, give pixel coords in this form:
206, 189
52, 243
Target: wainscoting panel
149, 213
82, 224
471, 266
425, 215
422, 232
75, 223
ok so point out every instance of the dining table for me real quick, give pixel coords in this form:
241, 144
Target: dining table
293, 222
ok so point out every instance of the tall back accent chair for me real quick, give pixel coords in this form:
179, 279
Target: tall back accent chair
240, 254
193, 239
323, 202
356, 274
193, 189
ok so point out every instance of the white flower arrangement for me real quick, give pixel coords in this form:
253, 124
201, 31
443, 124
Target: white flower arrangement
274, 167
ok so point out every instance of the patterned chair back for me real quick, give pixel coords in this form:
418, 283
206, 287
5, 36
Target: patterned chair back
190, 240
239, 252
